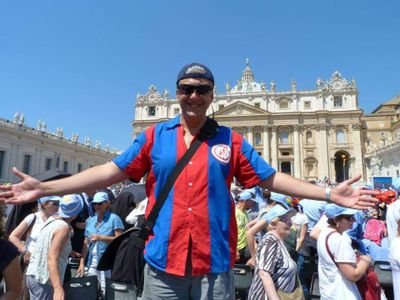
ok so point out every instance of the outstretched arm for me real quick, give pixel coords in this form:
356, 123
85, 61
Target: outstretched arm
30, 189
343, 194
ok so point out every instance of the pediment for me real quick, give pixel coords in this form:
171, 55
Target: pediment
240, 109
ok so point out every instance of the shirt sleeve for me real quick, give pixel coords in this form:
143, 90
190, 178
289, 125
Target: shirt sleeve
269, 255
341, 249
135, 160
250, 167
117, 223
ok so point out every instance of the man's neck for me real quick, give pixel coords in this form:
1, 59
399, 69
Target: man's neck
193, 125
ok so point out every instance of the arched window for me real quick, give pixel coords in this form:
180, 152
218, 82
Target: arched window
309, 137
257, 138
340, 136
284, 137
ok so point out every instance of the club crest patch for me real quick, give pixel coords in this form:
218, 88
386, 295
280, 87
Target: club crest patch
222, 153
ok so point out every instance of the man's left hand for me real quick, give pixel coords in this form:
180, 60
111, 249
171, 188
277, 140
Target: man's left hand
345, 195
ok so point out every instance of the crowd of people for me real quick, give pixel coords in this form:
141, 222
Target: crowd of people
288, 241
192, 249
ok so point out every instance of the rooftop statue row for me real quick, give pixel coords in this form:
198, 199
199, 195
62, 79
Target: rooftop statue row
247, 84
19, 119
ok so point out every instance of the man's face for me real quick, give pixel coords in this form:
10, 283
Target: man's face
195, 96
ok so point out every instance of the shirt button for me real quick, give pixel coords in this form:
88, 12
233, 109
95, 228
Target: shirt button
189, 209
190, 184
190, 163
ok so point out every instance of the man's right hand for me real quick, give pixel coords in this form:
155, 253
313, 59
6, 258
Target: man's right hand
28, 190
251, 262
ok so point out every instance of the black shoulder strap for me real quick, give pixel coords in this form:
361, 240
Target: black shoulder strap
208, 130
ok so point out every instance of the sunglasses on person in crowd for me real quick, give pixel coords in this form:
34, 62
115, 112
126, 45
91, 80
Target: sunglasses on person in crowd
348, 217
188, 89
55, 203
97, 203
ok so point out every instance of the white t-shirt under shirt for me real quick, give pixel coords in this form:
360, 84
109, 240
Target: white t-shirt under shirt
394, 258
333, 285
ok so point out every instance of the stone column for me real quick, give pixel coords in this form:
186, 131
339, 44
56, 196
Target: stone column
274, 148
296, 148
357, 168
266, 153
249, 134
323, 157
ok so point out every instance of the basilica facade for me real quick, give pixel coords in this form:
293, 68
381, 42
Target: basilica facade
310, 134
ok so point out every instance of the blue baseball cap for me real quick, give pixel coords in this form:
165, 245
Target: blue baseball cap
70, 206
101, 197
246, 195
275, 212
281, 199
333, 210
49, 198
195, 70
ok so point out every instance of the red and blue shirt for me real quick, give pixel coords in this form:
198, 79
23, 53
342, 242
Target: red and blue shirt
199, 207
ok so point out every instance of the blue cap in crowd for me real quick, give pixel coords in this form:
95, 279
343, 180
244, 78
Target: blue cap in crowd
275, 212
333, 210
101, 197
281, 199
246, 195
195, 70
49, 198
70, 206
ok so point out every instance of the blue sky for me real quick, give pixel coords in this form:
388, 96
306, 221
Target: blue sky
79, 64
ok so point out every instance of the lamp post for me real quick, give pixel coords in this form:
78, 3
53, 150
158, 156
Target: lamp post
344, 166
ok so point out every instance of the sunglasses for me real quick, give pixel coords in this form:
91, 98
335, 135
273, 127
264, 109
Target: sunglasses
55, 203
348, 217
188, 89
96, 203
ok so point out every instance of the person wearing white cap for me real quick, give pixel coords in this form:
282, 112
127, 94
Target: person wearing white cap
100, 230
25, 235
338, 269
275, 272
45, 273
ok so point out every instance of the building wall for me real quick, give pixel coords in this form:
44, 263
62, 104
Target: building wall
382, 140
18, 142
311, 134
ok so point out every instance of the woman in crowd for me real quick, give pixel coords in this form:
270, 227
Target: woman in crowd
100, 230
338, 269
45, 273
275, 274
25, 235
394, 258
261, 225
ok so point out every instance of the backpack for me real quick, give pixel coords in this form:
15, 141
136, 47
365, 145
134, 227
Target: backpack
374, 231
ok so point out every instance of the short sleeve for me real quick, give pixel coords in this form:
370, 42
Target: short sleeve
117, 223
269, 255
340, 246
